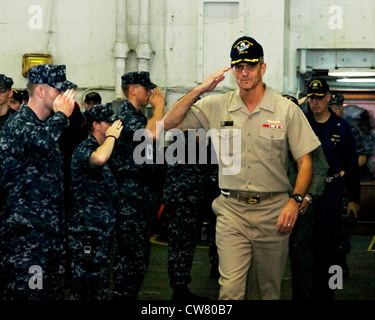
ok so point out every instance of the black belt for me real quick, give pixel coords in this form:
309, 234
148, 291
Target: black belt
250, 198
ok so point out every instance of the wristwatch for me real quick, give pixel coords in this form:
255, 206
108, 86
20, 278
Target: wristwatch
297, 197
309, 199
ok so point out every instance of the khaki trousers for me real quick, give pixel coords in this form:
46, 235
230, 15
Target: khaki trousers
252, 256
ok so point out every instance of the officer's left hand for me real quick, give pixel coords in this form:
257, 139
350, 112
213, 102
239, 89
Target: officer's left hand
287, 218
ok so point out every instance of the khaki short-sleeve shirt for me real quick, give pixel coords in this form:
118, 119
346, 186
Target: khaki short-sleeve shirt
253, 147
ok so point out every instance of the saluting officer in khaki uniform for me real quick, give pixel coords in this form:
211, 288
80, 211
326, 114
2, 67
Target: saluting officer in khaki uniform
258, 207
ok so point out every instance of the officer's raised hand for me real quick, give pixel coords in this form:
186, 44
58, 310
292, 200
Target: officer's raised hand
213, 80
65, 103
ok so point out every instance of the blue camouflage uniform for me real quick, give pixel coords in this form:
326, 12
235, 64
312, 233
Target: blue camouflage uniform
92, 221
363, 129
31, 224
31, 228
5, 117
183, 193
5, 84
137, 200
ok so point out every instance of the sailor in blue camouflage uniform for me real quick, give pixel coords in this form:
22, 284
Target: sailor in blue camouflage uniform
31, 228
95, 191
184, 196
6, 93
137, 184
5, 111
363, 129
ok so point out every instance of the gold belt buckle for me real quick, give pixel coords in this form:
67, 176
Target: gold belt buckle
252, 200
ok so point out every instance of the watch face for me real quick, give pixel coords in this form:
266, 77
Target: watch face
298, 197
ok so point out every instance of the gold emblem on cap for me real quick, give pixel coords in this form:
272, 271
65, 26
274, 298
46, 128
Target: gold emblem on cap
315, 83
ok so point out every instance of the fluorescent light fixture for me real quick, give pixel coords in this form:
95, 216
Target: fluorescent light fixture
352, 72
355, 80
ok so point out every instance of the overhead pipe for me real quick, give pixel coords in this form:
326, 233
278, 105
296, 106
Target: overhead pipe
290, 82
121, 47
50, 22
143, 49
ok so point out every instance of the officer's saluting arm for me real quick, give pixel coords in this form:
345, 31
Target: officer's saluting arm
177, 113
